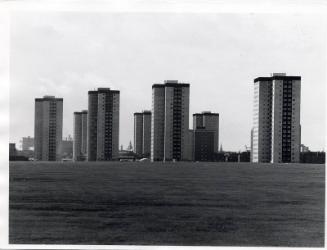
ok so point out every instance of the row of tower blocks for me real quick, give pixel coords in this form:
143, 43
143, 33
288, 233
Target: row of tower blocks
163, 134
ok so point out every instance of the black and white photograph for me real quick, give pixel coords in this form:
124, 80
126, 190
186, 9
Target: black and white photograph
158, 123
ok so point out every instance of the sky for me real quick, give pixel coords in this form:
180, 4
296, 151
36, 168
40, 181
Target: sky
66, 54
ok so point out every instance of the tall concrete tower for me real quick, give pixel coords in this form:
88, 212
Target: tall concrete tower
170, 121
80, 136
146, 145
276, 132
48, 128
208, 121
138, 133
142, 133
103, 125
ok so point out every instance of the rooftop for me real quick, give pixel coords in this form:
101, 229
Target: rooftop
277, 76
207, 113
102, 90
144, 112
170, 83
80, 112
48, 98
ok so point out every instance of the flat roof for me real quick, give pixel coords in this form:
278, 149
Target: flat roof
276, 77
80, 112
48, 99
170, 83
146, 112
158, 85
103, 90
206, 114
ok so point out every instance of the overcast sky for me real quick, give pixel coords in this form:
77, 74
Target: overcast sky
68, 53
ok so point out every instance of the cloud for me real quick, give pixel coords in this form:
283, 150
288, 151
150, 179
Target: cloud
68, 53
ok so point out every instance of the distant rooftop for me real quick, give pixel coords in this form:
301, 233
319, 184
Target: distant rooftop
80, 112
102, 90
207, 113
48, 98
144, 112
277, 76
170, 83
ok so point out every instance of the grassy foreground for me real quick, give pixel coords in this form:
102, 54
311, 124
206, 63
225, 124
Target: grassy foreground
218, 204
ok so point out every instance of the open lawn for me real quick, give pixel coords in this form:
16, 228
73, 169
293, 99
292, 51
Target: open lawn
219, 204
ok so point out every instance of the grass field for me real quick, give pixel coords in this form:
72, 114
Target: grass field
218, 204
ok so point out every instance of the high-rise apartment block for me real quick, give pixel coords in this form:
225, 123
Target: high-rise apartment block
142, 133
80, 136
205, 135
12, 149
48, 128
103, 124
203, 145
208, 121
170, 121
67, 151
276, 132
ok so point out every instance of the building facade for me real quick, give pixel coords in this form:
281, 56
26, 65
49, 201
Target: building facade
80, 136
103, 125
12, 149
67, 147
170, 121
147, 133
276, 132
48, 128
313, 157
210, 122
203, 144
142, 133
138, 133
